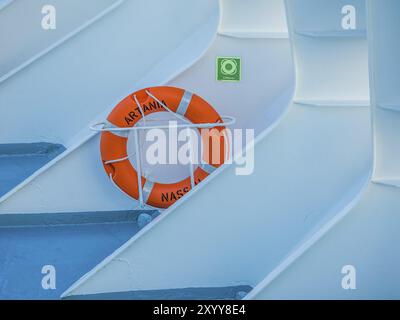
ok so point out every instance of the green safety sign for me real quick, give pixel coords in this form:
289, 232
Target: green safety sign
229, 69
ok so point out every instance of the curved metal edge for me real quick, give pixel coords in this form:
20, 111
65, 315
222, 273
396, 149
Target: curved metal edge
61, 41
308, 243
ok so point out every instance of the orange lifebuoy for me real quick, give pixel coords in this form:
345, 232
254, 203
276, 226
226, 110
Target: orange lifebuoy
127, 113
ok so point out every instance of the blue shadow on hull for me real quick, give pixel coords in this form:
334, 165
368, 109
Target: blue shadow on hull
73, 243
19, 161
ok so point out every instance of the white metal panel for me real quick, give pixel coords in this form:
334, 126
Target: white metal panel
76, 82
363, 240
331, 62
384, 26
253, 19
322, 17
23, 38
